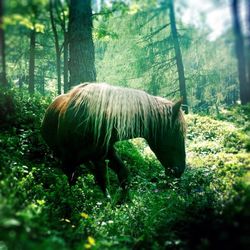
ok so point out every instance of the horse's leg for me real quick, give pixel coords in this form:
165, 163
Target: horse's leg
100, 172
116, 164
69, 170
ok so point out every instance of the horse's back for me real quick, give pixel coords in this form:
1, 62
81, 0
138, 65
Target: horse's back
93, 116
104, 113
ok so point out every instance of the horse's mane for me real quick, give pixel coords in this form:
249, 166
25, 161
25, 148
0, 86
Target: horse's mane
128, 111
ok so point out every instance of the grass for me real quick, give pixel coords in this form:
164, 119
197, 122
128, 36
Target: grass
207, 208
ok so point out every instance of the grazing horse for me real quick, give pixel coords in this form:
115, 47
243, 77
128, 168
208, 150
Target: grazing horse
82, 126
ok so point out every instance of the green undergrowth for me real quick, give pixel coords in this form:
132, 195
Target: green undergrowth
207, 208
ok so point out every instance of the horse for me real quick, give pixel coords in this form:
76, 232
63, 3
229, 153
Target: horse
82, 126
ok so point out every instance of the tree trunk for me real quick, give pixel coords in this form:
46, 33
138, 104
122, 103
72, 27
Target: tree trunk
66, 62
239, 49
3, 79
7, 107
58, 57
32, 62
81, 46
42, 83
178, 56
62, 21
248, 41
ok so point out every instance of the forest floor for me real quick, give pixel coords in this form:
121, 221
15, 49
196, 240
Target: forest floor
207, 208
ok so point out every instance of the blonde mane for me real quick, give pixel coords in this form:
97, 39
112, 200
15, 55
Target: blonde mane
126, 112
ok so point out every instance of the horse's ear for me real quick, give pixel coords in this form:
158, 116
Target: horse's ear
176, 108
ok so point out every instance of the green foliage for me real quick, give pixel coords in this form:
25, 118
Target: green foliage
20, 18
20, 136
240, 115
206, 209
39, 210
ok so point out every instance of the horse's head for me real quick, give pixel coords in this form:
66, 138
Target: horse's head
174, 160
170, 146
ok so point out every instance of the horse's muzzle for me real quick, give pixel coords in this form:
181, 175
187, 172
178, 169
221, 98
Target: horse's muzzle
178, 171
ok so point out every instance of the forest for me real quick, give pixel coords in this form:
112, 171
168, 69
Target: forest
178, 75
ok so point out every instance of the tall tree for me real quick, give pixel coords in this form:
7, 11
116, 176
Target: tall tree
57, 47
32, 61
34, 13
7, 107
81, 46
61, 10
178, 56
65, 59
3, 80
248, 40
240, 54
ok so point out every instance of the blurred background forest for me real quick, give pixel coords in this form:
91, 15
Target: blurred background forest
197, 50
